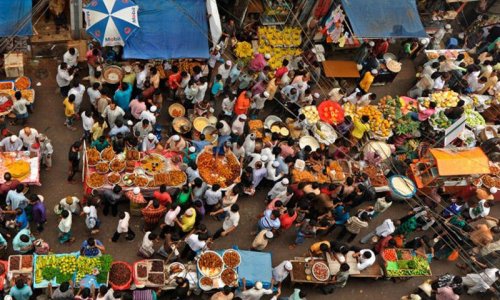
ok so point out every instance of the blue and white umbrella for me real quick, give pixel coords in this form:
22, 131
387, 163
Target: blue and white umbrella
111, 22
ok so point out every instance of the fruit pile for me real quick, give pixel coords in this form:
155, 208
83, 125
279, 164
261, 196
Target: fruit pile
440, 121
443, 99
417, 266
243, 50
388, 106
50, 267
378, 124
97, 266
311, 113
279, 44
473, 118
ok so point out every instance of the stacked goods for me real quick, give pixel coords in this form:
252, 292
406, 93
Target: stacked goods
439, 121
97, 266
20, 263
243, 50
389, 106
443, 99
120, 275
417, 266
279, 44
473, 118
222, 170
311, 113
406, 125
210, 264
331, 112
55, 269
256, 127
336, 171
378, 124
150, 273
377, 178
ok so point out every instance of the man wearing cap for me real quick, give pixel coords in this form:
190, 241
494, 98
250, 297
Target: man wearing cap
273, 173
129, 76
238, 125
258, 102
255, 293
224, 70
256, 157
261, 240
279, 188
281, 271
91, 219
367, 80
149, 143
176, 143
214, 56
186, 222
189, 155
11, 144
71, 204
150, 115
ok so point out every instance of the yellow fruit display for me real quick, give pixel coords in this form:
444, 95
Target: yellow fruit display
311, 113
243, 50
280, 44
443, 99
378, 124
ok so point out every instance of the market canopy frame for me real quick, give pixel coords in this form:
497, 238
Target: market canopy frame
384, 18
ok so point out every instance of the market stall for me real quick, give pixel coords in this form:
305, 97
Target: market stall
132, 168
22, 165
8, 88
404, 263
227, 267
223, 170
320, 270
20, 266
452, 169
82, 270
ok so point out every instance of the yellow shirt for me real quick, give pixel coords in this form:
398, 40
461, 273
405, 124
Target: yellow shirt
188, 222
315, 247
367, 81
98, 130
69, 108
360, 129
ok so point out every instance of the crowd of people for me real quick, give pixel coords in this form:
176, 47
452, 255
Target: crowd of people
328, 217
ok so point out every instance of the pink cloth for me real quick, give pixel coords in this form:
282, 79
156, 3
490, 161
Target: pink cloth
136, 108
258, 63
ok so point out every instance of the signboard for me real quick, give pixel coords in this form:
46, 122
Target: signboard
454, 131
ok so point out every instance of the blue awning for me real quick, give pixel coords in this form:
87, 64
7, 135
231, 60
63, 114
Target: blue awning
15, 18
384, 18
170, 29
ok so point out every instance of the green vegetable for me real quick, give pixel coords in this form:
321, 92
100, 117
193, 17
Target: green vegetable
48, 273
106, 261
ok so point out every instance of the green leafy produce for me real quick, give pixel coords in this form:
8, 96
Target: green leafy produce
48, 273
406, 125
106, 261
473, 118
440, 120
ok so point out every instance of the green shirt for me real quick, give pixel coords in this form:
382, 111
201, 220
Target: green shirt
99, 146
183, 197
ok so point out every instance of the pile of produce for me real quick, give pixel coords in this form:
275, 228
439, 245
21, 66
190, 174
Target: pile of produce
55, 268
97, 266
243, 50
443, 99
378, 124
210, 264
279, 44
311, 113
377, 178
417, 266
331, 112
440, 121
390, 107
120, 275
406, 125
473, 118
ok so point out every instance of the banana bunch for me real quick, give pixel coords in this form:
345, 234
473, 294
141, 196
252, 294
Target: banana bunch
243, 50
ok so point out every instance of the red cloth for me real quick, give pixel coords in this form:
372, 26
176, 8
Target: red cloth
322, 8
242, 104
287, 221
381, 48
174, 80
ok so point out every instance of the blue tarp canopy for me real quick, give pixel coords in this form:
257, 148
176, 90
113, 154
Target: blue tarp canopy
15, 18
384, 18
169, 29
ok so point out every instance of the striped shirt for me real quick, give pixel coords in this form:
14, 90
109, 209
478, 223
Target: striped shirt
354, 225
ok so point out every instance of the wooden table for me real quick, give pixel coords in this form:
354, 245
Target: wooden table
341, 69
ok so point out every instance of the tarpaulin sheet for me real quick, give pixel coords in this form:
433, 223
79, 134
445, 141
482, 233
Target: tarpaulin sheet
15, 18
384, 18
170, 29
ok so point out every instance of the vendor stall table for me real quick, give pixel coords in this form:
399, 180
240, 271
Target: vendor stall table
340, 69
31, 157
256, 266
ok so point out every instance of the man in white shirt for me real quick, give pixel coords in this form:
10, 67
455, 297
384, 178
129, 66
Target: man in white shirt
438, 81
212, 197
142, 129
224, 70
383, 230
239, 125
78, 90
354, 97
63, 78
70, 57
149, 143
87, 124
228, 104
94, 93
71, 204
11, 143
28, 136
141, 77
123, 227
273, 171
202, 89
169, 220
258, 102
481, 282
111, 113
231, 220
281, 271
255, 293
366, 258
195, 242
149, 115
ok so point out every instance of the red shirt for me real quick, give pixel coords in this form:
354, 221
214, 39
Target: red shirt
163, 198
280, 72
8, 186
287, 221
174, 80
242, 104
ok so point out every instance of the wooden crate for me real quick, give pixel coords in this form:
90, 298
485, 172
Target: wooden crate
14, 64
81, 46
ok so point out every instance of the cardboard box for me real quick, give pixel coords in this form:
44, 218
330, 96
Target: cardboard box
14, 64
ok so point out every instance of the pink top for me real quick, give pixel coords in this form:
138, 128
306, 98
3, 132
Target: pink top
425, 114
136, 108
258, 62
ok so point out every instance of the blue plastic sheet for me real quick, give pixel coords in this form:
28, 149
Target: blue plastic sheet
256, 266
15, 18
384, 18
169, 29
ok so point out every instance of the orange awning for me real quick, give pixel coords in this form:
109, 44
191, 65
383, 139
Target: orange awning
461, 162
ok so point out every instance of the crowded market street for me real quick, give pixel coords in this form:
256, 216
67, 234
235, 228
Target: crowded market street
307, 157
